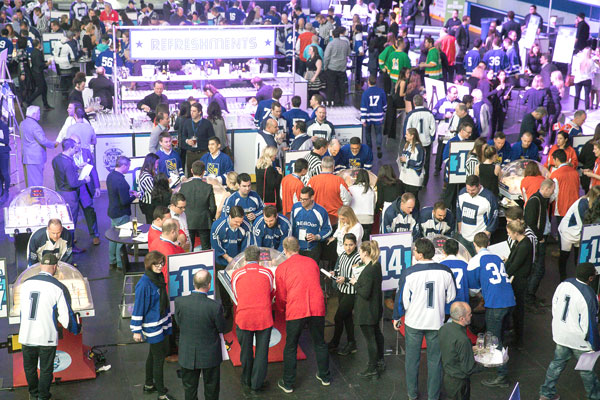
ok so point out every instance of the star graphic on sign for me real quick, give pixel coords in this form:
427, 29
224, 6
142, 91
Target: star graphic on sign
139, 43
267, 42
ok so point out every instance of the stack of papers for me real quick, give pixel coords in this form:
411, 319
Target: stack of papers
125, 232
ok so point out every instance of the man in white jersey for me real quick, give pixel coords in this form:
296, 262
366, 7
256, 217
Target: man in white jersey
424, 290
44, 303
574, 329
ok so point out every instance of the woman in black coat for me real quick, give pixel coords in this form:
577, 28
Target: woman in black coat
367, 306
268, 178
518, 265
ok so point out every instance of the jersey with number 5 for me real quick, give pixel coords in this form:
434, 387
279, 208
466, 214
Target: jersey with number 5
459, 270
44, 303
574, 316
486, 272
424, 289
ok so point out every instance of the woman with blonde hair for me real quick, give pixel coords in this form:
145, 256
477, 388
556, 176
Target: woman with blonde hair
268, 177
367, 306
231, 182
557, 92
410, 164
536, 96
347, 223
583, 70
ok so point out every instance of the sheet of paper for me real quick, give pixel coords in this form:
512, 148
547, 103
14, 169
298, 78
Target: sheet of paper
500, 249
141, 237
126, 225
85, 171
302, 234
224, 352
125, 232
587, 360
326, 273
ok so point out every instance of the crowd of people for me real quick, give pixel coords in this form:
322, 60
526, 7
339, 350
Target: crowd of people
313, 215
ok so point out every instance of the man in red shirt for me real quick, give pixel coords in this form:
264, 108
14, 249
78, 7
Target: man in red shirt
291, 185
253, 288
304, 39
331, 191
167, 245
160, 214
298, 292
448, 46
566, 188
109, 16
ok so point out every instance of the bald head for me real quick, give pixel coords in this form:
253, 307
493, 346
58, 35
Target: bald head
100, 71
202, 281
334, 147
271, 126
460, 312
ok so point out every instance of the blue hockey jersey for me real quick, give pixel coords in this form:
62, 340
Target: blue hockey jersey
431, 226
364, 158
458, 267
225, 240
263, 236
146, 317
218, 166
486, 271
315, 221
169, 164
373, 105
496, 60
472, 58
251, 204
294, 114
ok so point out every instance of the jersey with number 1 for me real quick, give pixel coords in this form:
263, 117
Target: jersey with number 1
486, 272
424, 289
575, 316
458, 266
44, 303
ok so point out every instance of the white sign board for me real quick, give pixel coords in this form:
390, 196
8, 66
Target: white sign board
579, 141
108, 149
456, 164
396, 254
565, 43
531, 31
202, 43
290, 160
589, 247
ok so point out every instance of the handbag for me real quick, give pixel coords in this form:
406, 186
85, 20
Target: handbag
264, 190
570, 81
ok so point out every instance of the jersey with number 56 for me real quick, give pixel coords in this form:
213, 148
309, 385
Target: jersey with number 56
44, 303
574, 316
424, 289
486, 272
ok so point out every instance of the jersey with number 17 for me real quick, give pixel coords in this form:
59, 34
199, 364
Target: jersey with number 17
486, 272
459, 269
373, 104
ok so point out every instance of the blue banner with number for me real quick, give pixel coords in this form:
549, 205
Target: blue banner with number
395, 255
456, 164
290, 160
3, 290
590, 245
182, 268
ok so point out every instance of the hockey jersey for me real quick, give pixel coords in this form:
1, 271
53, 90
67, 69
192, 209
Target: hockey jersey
263, 110
364, 158
486, 272
575, 316
105, 59
251, 203
395, 61
169, 164
373, 104
301, 142
442, 107
423, 121
291, 185
44, 303
496, 60
263, 236
314, 220
324, 129
566, 188
217, 166
571, 225
472, 59
430, 226
458, 266
477, 214
411, 171
146, 317
40, 244
424, 289
294, 114
235, 16
225, 240
395, 220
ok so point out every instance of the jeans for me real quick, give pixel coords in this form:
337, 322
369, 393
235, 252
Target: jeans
378, 134
254, 366
587, 88
343, 318
114, 249
39, 388
358, 69
414, 339
562, 355
293, 329
154, 365
538, 270
494, 322
374, 339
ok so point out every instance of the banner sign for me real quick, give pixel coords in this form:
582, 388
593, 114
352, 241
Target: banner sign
201, 43
108, 149
565, 43
459, 151
531, 31
396, 254
182, 268
590, 245
579, 141
290, 159
3, 289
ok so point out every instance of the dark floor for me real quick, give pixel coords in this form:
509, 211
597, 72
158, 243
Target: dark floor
124, 380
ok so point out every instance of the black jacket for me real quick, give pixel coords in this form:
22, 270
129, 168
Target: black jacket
66, 177
200, 322
201, 208
203, 130
119, 199
536, 212
520, 260
38, 64
103, 88
367, 304
152, 100
268, 189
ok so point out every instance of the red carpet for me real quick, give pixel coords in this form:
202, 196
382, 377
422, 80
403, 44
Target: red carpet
277, 342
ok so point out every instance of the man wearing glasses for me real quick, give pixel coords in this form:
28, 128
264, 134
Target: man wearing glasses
177, 208
310, 224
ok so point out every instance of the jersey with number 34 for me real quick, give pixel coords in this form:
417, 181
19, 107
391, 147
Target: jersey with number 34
486, 272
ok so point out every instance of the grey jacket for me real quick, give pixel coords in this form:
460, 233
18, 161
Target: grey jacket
336, 55
34, 142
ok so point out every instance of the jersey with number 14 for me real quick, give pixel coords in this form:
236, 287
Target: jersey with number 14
486, 272
575, 316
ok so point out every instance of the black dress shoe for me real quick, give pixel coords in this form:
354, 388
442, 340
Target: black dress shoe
77, 250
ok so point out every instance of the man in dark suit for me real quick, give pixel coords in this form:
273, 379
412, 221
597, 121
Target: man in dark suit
89, 191
200, 321
583, 32
202, 209
511, 25
103, 87
38, 65
547, 69
66, 181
